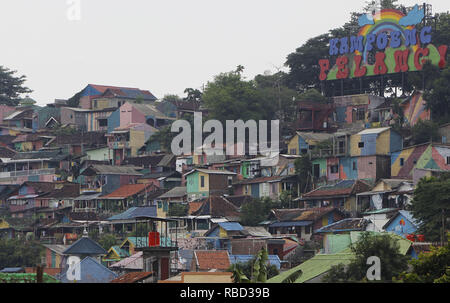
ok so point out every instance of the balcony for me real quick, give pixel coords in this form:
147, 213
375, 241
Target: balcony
119, 144
27, 173
328, 152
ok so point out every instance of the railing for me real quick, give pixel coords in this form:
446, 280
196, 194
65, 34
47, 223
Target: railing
119, 144
328, 152
26, 173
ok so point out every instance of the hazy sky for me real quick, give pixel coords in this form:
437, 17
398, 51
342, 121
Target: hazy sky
163, 46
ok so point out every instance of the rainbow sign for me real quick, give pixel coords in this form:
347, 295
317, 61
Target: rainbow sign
393, 39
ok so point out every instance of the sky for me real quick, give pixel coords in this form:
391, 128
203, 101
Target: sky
162, 46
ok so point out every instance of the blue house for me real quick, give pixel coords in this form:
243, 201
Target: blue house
91, 272
402, 224
219, 236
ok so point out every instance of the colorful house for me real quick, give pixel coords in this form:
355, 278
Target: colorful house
136, 113
314, 116
304, 142
402, 224
356, 109
204, 183
105, 179
414, 109
54, 256
128, 140
424, 156
302, 222
111, 96
341, 195
375, 141
270, 187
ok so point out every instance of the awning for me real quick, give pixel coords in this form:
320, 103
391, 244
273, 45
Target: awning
291, 224
88, 197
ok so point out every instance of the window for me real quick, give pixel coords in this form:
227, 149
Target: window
444, 140
230, 181
95, 103
102, 122
202, 181
304, 151
361, 144
354, 165
402, 161
360, 114
334, 169
307, 229
293, 151
448, 160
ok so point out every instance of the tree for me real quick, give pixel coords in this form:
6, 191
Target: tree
303, 168
256, 211
229, 97
11, 87
431, 267
74, 101
282, 98
171, 98
20, 253
107, 241
437, 96
193, 95
257, 269
425, 131
430, 206
383, 246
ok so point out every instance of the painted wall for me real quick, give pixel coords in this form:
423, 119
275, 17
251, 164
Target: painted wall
422, 156
194, 184
100, 154
401, 226
414, 110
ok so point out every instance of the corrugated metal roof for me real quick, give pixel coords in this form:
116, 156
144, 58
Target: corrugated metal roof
175, 192
374, 131
85, 246
291, 223
231, 226
134, 212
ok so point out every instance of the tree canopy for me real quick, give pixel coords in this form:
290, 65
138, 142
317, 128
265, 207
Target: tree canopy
11, 87
382, 246
430, 205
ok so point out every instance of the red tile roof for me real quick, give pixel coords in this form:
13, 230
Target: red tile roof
194, 206
132, 277
212, 259
216, 207
129, 190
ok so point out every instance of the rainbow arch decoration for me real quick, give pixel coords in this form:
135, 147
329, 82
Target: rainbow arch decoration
394, 41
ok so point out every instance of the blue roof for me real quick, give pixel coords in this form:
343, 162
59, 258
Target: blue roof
85, 246
273, 259
135, 212
11, 269
291, 223
92, 272
231, 226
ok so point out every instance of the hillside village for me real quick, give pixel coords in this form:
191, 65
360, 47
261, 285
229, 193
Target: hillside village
93, 191
179, 219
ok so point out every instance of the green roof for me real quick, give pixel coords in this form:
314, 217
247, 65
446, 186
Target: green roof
25, 278
322, 263
314, 267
